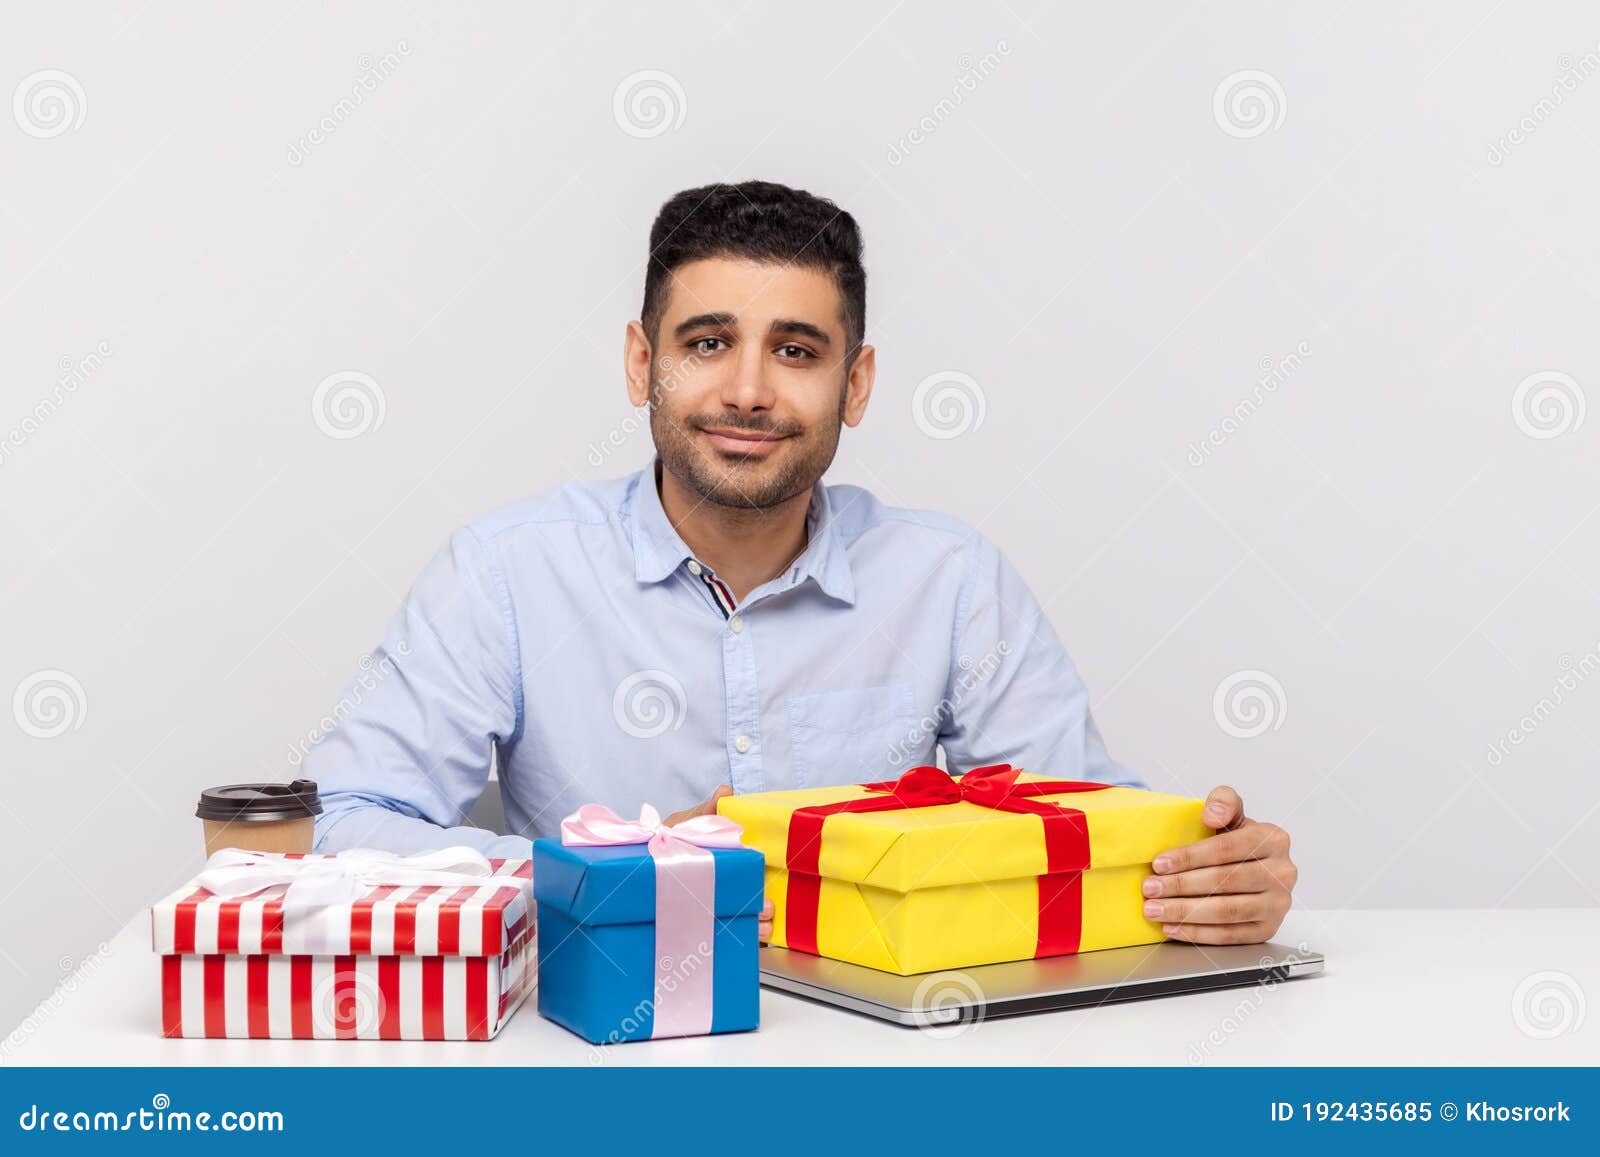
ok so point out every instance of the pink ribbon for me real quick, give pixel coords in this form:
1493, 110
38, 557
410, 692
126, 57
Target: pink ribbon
686, 887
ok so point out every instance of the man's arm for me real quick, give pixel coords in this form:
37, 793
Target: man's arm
1014, 695
412, 752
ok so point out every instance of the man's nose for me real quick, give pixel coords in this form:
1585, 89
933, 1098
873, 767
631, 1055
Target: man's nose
748, 387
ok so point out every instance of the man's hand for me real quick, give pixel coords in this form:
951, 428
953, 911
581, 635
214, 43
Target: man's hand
709, 808
1230, 888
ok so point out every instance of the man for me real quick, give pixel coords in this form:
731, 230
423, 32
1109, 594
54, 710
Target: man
721, 621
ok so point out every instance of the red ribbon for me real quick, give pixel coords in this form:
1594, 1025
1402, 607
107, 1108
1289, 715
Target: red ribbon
1066, 843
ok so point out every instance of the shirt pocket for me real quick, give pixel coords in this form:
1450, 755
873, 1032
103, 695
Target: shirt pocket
854, 736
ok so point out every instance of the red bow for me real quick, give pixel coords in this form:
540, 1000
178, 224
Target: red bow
994, 786
1066, 838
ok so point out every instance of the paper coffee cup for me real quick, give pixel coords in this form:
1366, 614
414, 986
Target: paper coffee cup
260, 817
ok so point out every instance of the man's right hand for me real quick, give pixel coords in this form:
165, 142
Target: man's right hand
709, 808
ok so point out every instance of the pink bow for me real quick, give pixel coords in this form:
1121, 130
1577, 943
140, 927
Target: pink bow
686, 893
596, 826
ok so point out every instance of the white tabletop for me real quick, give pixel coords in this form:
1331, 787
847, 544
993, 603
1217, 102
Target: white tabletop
1401, 987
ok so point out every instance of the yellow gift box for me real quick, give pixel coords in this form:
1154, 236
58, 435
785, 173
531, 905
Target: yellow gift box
935, 871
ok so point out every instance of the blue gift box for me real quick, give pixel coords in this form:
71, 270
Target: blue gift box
597, 939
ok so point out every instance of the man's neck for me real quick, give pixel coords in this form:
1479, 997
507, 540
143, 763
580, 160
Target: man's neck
745, 547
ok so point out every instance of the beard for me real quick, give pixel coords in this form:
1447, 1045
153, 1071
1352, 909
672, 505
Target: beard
737, 481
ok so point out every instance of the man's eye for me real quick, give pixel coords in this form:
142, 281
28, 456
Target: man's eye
797, 352
707, 345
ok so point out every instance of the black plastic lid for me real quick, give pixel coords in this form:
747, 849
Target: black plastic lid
251, 802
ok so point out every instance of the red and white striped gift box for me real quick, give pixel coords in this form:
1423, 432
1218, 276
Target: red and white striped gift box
409, 963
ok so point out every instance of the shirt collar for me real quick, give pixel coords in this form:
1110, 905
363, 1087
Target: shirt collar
658, 550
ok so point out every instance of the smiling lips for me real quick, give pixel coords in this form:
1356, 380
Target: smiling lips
745, 443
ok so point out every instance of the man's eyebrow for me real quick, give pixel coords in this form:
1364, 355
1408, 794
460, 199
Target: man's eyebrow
794, 327
706, 320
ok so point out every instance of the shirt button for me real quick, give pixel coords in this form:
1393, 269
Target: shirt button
742, 744
736, 624
694, 567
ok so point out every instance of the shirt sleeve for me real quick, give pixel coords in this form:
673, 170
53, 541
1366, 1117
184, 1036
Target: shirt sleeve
414, 735
1014, 695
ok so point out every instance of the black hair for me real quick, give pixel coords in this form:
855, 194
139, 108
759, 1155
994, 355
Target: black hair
762, 221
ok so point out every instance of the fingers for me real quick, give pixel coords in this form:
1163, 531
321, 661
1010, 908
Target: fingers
1250, 876
1231, 888
1252, 841
709, 808
1245, 908
764, 922
1223, 809
1256, 933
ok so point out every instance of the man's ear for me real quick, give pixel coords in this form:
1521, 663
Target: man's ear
636, 355
858, 386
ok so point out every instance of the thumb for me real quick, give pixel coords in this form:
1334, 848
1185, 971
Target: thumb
1224, 809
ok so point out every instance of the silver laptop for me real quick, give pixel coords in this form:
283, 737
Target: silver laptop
991, 990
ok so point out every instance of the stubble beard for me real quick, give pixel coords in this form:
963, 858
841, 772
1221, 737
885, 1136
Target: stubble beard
748, 484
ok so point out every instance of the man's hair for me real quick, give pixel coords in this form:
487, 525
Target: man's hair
761, 221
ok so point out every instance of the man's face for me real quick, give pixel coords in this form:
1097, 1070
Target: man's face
747, 385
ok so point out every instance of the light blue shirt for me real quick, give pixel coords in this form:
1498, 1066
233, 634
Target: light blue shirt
572, 639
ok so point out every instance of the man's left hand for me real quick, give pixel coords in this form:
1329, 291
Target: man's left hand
1230, 888
709, 808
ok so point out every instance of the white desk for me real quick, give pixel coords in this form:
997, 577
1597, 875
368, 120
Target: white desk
1407, 988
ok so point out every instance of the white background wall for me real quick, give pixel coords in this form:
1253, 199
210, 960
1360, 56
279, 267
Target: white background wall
1109, 257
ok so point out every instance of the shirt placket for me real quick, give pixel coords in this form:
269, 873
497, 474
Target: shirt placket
721, 594
742, 732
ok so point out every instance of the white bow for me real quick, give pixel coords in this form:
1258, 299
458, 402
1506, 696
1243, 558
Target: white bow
343, 879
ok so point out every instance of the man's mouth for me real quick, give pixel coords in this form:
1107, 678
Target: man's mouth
744, 443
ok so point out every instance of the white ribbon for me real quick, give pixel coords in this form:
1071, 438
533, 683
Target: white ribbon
314, 889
